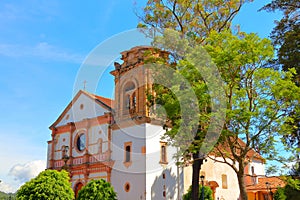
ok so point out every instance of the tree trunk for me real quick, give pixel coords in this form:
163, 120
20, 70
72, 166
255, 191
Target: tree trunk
197, 162
241, 180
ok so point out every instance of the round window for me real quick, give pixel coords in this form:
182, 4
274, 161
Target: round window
81, 142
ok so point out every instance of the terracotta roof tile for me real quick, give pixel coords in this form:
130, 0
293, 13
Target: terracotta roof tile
224, 147
108, 102
274, 181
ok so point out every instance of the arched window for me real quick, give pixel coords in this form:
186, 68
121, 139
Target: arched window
129, 86
130, 98
127, 156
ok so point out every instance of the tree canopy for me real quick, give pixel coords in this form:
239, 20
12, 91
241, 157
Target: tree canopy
97, 190
285, 35
195, 18
184, 96
258, 99
286, 39
49, 184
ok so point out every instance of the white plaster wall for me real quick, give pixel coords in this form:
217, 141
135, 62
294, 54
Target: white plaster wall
91, 109
259, 167
97, 176
96, 134
155, 170
145, 175
213, 172
233, 191
137, 185
134, 174
188, 175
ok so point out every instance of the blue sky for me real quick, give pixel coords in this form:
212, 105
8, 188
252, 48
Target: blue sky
42, 46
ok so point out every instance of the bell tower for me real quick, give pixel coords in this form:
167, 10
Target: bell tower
132, 81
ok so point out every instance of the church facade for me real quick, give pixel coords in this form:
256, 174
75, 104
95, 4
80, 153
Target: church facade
120, 141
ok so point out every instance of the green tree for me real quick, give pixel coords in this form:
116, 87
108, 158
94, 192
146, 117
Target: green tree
258, 99
207, 193
4, 196
295, 171
49, 184
290, 191
285, 35
279, 194
195, 20
97, 190
286, 39
186, 101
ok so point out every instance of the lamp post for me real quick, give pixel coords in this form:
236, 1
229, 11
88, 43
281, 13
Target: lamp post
269, 190
202, 183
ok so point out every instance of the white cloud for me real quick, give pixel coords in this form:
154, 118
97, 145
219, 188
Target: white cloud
4, 187
27, 171
41, 50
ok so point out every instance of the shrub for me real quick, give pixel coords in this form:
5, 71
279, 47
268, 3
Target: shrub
97, 190
207, 193
48, 185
